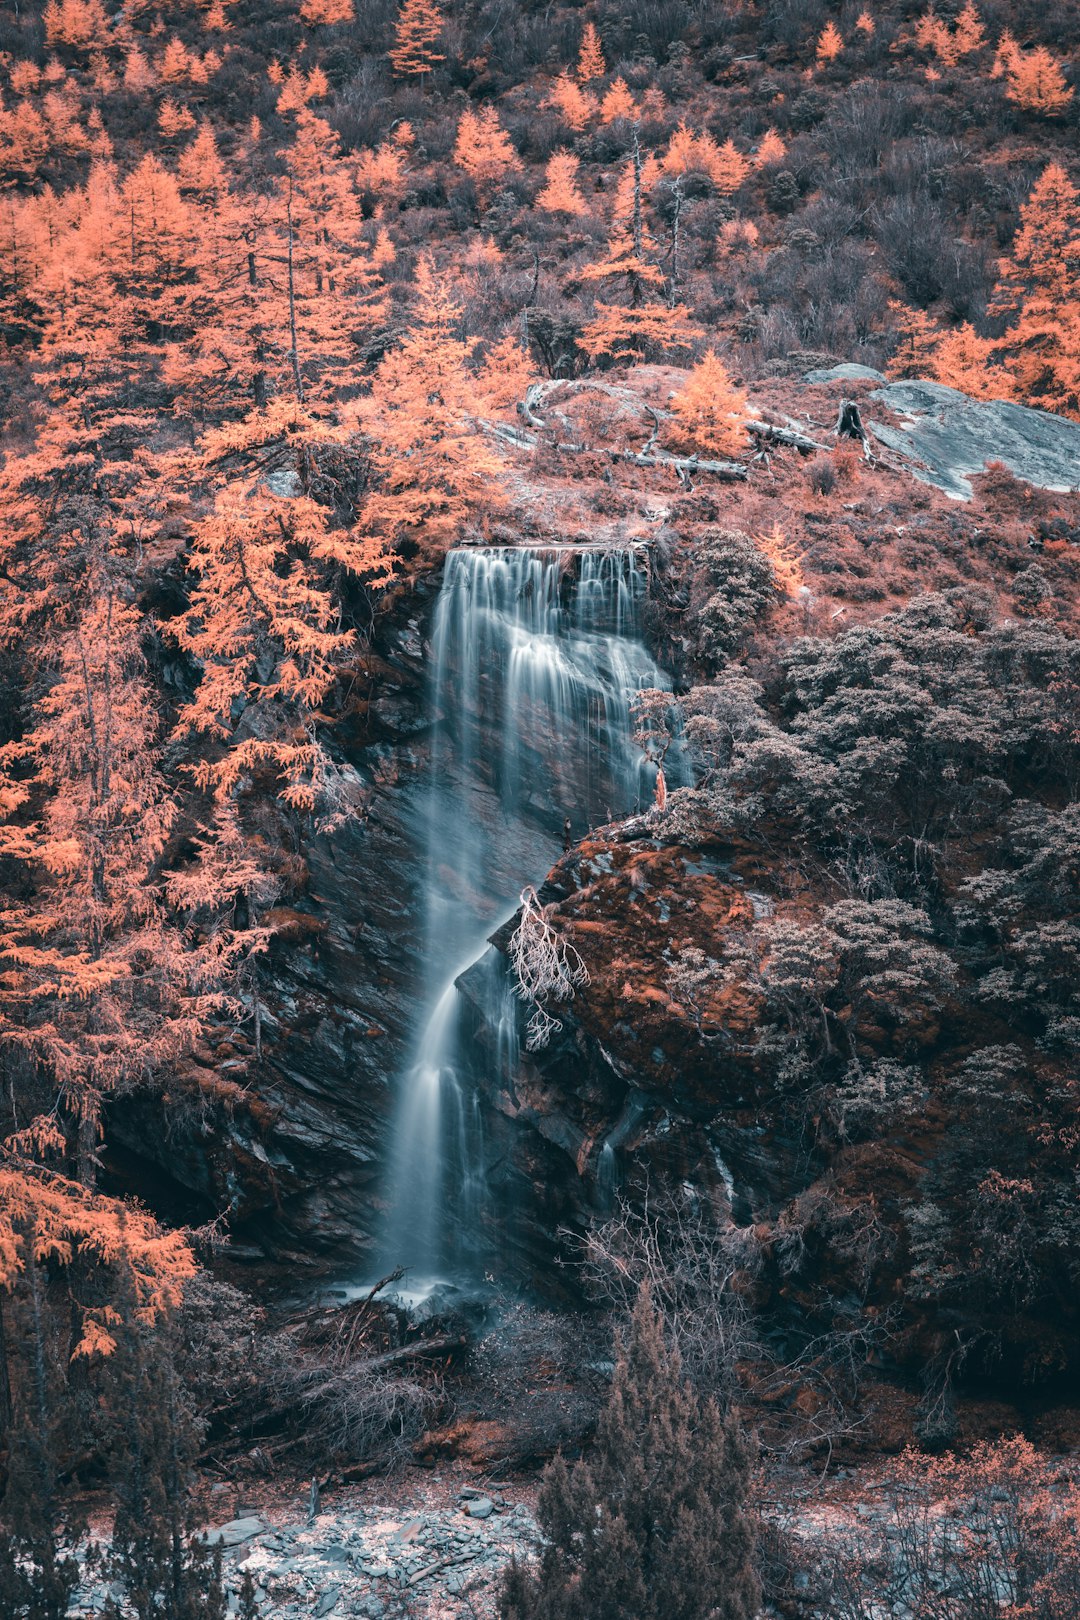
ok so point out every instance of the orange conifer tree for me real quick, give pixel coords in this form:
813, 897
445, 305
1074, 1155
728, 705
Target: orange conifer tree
561, 193
483, 148
643, 323
1039, 295
830, 44
264, 627
962, 359
419, 29
431, 468
969, 34
326, 13
709, 411
575, 104
1006, 56
95, 993
505, 374
918, 338
618, 103
785, 558
590, 63
771, 148
1035, 81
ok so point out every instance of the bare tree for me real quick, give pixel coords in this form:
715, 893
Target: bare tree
696, 1265
546, 966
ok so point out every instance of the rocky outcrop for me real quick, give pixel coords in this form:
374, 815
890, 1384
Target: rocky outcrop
637, 1079
945, 437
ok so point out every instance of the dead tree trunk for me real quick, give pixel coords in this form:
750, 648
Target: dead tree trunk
849, 423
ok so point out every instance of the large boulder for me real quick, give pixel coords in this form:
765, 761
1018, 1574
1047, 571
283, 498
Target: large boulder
946, 437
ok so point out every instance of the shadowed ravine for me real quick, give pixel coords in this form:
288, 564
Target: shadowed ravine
536, 657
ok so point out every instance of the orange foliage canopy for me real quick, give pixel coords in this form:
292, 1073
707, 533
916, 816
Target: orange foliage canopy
576, 105
830, 44
561, 193
263, 626
642, 324
326, 13
483, 148
45, 1219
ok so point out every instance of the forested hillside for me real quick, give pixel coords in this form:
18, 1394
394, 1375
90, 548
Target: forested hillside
539, 739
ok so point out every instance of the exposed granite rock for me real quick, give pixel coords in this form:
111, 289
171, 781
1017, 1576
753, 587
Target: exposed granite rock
848, 372
947, 437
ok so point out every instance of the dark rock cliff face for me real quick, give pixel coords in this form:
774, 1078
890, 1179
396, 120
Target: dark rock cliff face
295, 1163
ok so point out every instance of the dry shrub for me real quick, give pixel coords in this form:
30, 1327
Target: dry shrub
994, 1535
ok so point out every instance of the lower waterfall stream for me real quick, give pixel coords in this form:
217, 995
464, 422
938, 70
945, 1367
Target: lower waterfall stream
536, 658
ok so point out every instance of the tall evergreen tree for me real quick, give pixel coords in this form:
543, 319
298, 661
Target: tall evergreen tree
166, 1572
37, 1575
655, 1524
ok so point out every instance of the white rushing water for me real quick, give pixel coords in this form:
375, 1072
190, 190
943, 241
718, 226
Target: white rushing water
536, 657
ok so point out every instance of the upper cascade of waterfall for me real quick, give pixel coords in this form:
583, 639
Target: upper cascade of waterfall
538, 655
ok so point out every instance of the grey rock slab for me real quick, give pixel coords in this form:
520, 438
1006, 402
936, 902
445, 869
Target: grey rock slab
947, 437
327, 1601
235, 1533
480, 1507
848, 372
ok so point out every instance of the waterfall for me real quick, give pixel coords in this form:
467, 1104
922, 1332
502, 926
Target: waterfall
536, 657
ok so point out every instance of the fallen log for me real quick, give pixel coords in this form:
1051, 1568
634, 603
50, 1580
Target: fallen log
685, 466
780, 435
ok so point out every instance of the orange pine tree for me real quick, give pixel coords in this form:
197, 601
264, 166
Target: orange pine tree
771, 148
969, 34
1006, 56
95, 991
1036, 82
561, 193
1039, 295
46, 1219
709, 411
264, 627
618, 103
642, 324
785, 558
419, 29
79, 24
567, 97
590, 63
830, 44
932, 34
483, 148
326, 13
917, 339
962, 359
431, 469
505, 374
